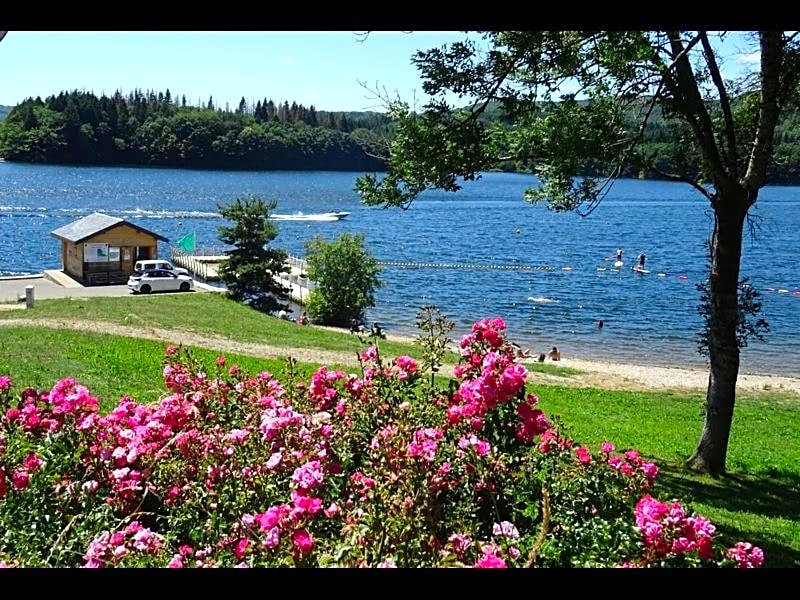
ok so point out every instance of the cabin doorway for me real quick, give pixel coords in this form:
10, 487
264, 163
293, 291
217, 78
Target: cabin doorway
126, 259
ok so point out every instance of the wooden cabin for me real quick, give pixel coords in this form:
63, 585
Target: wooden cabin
99, 249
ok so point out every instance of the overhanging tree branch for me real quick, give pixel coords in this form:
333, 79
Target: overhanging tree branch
684, 179
687, 96
771, 62
730, 132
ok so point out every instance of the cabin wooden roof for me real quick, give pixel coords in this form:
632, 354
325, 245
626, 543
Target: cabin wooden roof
91, 225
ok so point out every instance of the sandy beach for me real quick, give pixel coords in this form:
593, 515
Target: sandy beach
627, 376
610, 375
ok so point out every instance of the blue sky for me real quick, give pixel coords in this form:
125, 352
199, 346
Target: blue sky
312, 68
321, 68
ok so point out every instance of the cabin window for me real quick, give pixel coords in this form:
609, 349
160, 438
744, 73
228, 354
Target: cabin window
113, 258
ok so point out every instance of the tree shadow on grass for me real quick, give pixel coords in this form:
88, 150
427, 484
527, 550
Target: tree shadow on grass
774, 495
776, 553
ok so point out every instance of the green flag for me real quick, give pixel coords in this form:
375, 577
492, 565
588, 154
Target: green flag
187, 242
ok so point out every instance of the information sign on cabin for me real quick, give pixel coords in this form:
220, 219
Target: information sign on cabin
95, 253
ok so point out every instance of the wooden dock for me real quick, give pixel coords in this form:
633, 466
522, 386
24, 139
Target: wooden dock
206, 268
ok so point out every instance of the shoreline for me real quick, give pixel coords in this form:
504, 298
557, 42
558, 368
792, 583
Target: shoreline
656, 357
629, 376
596, 373
676, 377
592, 373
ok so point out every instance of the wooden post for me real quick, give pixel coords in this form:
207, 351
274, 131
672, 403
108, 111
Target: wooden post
29, 296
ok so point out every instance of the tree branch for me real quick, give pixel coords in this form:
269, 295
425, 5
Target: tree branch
771, 63
790, 72
499, 81
543, 531
688, 97
730, 133
685, 179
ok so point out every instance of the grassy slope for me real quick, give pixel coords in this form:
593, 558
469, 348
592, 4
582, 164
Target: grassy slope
109, 366
758, 501
199, 313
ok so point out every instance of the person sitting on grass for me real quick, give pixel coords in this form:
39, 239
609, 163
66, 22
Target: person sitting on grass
377, 331
356, 327
303, 320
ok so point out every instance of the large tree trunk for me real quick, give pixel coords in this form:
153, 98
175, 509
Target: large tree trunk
726, 252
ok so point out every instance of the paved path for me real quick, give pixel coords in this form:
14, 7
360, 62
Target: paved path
45, 287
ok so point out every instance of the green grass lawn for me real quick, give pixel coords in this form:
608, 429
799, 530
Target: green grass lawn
110, 366
203, 313
759, 500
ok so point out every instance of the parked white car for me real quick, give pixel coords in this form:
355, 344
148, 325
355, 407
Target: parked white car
159, 280
149, 265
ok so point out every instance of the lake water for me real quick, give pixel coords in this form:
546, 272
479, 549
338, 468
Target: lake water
649, 319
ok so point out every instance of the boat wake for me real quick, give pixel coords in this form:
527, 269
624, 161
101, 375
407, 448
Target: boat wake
542, 299
328, 216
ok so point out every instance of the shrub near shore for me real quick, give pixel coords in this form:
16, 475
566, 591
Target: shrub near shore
372, 470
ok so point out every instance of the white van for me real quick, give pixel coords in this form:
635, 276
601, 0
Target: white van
149, 265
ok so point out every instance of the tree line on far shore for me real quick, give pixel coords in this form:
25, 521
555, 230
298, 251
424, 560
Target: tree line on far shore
155, 129
159, 129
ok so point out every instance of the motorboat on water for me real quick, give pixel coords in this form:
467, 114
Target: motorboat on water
299, 216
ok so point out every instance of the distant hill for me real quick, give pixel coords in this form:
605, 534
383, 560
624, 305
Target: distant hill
4, 110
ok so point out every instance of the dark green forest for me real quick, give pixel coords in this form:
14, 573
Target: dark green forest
157, 129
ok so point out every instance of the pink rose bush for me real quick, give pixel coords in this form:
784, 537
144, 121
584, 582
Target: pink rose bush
378, 469
108, 549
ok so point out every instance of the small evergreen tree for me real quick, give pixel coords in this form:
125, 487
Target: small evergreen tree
346, 277
249, 273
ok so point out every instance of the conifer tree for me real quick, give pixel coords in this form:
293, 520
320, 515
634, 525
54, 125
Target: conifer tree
249, 273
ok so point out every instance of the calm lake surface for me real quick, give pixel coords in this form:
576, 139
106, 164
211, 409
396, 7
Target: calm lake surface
649, 319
